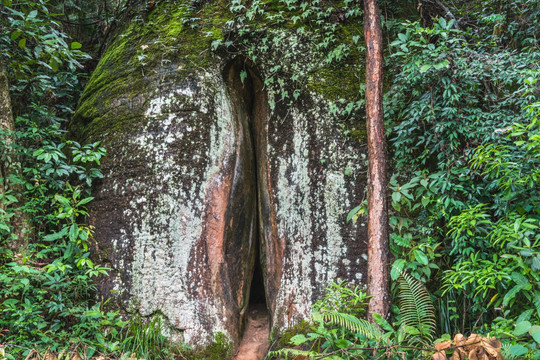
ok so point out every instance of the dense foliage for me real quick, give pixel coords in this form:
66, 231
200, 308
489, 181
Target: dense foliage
47, 278
462, 115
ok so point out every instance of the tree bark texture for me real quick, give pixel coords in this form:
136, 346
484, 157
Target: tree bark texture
378, 250
6, 126
9, 166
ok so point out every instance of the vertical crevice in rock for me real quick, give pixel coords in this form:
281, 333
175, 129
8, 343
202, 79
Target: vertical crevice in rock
249, 217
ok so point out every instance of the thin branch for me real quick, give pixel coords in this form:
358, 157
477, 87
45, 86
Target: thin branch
448, 12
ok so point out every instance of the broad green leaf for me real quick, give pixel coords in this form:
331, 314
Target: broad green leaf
421, 257
11, 302
75, 45
518, 350
22, 43
522, 328
83, 235
536, 263
411, 330
298, 339
243, 76
520, 280
343, 343
526, 315
353, 212
425, 68
510, 295
15, 34
62, 200
382, 322
57, 235
85, 200
442, 22
537, 301
397, 268
534, 331
73, 232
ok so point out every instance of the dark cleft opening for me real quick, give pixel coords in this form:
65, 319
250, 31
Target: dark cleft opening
248, 105
257, 295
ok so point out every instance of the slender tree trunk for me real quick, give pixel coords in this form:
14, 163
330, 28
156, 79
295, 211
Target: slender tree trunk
9, 166
378, 281
6, 126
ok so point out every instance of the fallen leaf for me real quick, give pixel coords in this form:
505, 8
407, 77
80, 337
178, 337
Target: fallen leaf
472, 341
492, 351
76, 356
49, 356
440, 355
443, 345
459, 340
32, 352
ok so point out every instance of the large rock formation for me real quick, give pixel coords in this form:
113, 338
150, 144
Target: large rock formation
216, 162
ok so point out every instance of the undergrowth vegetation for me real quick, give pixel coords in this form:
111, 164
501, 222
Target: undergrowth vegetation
47, 278
462, 114
340, 332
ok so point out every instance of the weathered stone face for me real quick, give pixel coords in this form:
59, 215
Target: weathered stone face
201, 170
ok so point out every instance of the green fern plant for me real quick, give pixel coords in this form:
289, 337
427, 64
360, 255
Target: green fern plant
287, 352
344, 335
349, 322
416, 308
336, 327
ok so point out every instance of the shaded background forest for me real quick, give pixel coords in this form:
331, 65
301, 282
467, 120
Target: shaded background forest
462, 114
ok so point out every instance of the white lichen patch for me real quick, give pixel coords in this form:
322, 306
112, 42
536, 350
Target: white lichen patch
336, 204
168, 210
305, 220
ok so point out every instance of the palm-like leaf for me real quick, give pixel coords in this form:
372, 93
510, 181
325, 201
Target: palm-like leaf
352, 323
290, 352
416, 307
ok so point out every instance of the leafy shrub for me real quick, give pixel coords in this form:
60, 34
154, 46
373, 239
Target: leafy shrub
47, 284
465, 190
339, 334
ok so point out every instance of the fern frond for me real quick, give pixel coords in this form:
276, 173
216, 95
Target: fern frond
416, 307
290, 352
505, 351
352, 323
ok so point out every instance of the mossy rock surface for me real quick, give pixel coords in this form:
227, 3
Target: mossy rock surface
213, 153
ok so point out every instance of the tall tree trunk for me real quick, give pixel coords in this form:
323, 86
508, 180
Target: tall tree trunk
6, 127
9, 166
378, 281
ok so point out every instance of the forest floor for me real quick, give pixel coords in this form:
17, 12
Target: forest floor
255, 341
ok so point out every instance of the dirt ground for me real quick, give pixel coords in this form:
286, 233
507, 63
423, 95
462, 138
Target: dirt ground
255, 342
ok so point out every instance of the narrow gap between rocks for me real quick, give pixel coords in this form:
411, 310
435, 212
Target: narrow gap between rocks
255, 338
